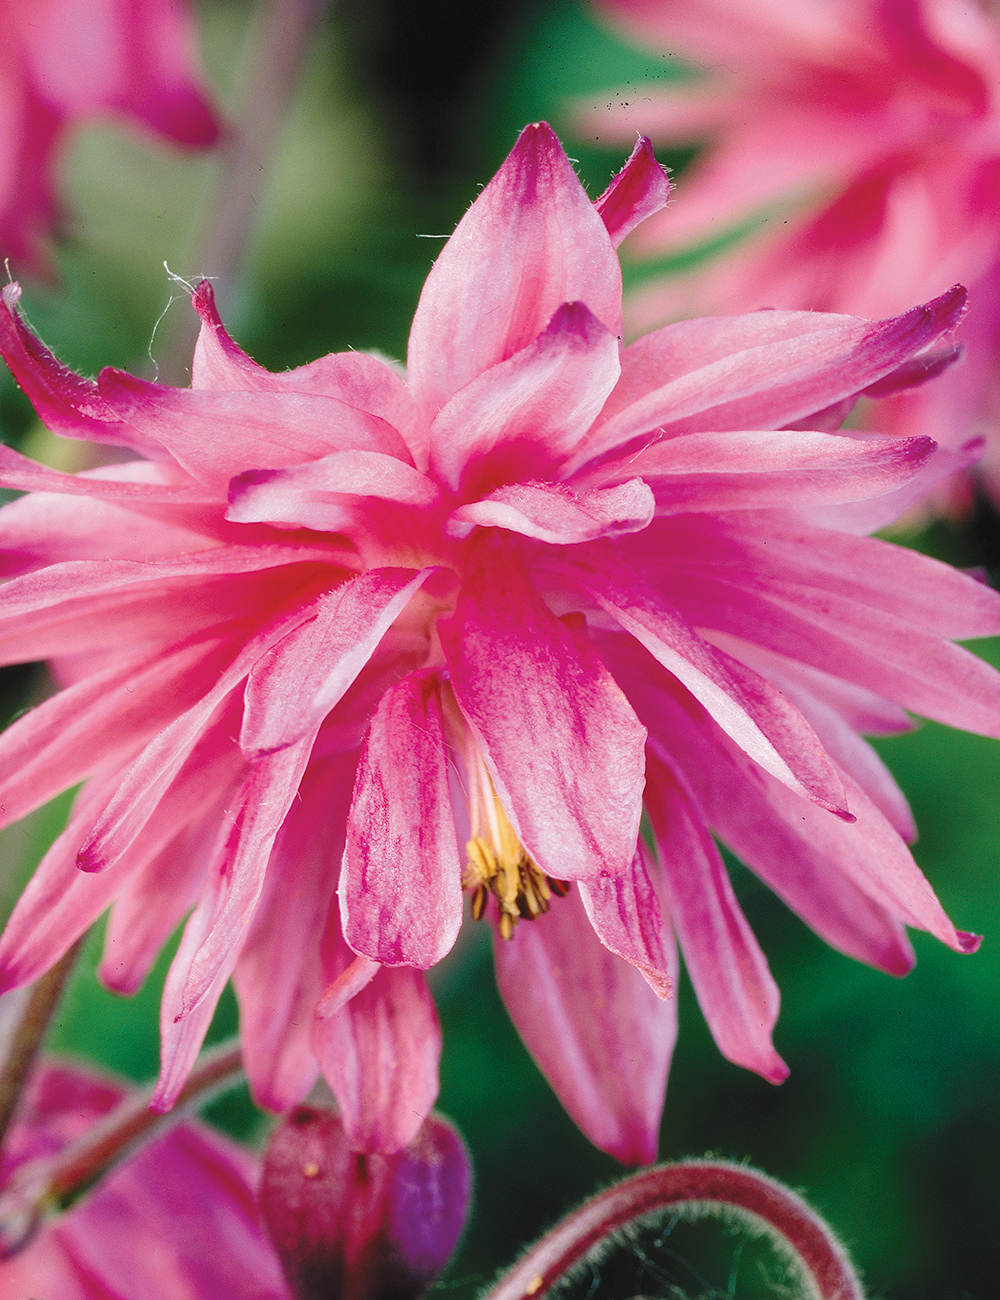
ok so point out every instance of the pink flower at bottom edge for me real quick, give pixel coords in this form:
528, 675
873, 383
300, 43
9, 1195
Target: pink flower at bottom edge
335, 626
63, 62
858, 146
179, 1219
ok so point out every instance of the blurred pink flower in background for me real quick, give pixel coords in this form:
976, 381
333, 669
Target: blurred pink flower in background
860, 141
179, 1219
337, 625
67, 61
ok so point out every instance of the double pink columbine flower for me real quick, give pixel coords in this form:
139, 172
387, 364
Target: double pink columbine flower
340, 648
67, 61
859, 142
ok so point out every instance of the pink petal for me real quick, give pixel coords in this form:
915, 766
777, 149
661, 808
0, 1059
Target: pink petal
924, 673
553, 513
822, 867
316, 494
562, 746
767, 369
133, 59
753, 712
636, 192
219, 924
17, 471
737, 995
400, 888
181, 1037
625, 913
529, 411
99, 721
59, 902
810, 691
531, 242
712, 472
154, 900
91, 604
216, 435
303, 676
66, 403
362, 381
889, 579
595, 1028
380, 1056
278, 978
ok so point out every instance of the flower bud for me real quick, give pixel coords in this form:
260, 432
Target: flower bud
354, 1225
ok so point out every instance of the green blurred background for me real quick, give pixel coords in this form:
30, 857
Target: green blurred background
889, 1120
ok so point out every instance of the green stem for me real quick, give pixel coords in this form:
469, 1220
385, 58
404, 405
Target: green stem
779, 1211
27, 1031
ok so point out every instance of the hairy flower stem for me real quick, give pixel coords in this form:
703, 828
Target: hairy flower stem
29, 1023
52, 1183
278, 42
785, 1216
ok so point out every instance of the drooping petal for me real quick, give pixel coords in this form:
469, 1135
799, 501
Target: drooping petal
736, 993
400, 889
98, 721
531, 242
278, 978
817, 696
59, 902
758, 717
626, 916
635, 193
555, 514
305, 674
220, 922
562, 746
853, 883
380, 1056
529, 411
595, 1028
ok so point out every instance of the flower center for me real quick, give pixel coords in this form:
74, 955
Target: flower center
500, 865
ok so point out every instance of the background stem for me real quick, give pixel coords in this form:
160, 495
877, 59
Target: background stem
784, 1214
26, 1030
278, 44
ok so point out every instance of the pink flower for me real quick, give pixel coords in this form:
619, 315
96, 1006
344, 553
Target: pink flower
66, 61
179, 1219
860, 140
338, 626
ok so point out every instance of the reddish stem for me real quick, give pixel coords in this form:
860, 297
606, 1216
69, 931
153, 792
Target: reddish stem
51, 1182
784, 1214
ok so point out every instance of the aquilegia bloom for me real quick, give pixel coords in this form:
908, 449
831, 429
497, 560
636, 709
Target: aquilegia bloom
179, 1219
344, 646
861, 139
64, 61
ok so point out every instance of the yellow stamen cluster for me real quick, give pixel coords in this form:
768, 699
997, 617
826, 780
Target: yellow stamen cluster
522, 891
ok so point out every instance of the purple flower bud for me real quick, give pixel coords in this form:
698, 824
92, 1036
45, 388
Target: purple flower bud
351, 1225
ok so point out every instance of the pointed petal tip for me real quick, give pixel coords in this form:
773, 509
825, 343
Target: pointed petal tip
966, 942
361, 972
639, 190
776, 1070
89, 859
